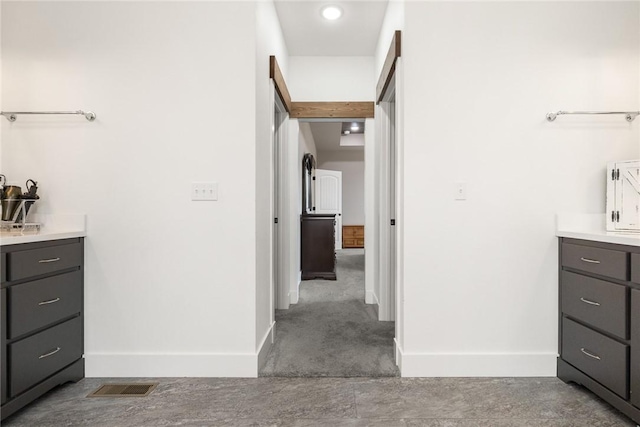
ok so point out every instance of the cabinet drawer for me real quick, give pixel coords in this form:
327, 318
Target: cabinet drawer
596, 302
635, 348
3, 267
3, 348
35, 358
605, 262
42, 302
348, 243
600, 357
353, 231
635, 268
33, 262
360, 243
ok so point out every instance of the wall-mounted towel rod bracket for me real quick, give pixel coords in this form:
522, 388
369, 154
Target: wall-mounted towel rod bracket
13, 115
628, 115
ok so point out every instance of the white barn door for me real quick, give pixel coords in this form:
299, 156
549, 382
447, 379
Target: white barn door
329, 198
623, 196
628, 198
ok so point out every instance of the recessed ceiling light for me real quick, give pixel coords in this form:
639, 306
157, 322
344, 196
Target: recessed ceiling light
331, 12
355, 127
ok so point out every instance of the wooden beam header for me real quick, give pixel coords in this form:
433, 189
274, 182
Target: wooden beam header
316, 110
328, 110
278, 80
389, 67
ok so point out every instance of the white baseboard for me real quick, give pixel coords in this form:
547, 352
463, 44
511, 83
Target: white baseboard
265, 345
371, 298
398, 352
294, 295
243, 365
476, 365
171, 365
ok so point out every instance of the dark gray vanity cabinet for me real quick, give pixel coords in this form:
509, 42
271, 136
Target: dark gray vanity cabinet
42, 323
318, 246
635, 348
600, 321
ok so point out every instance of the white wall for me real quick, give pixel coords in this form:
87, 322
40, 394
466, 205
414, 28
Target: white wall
306, 144
170, 285
331, 78
351, 164
352, 140
481, 275
393, 21
1, 81
269, 41
300, 135
2, 163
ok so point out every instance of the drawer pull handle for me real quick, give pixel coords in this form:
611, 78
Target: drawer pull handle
593, 356
50, 353
51, 301
592, 261
590, 302
44, 261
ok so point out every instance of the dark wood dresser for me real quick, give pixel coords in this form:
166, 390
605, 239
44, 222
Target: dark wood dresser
318, 246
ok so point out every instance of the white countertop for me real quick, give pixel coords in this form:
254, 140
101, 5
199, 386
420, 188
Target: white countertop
54, 227
592, 227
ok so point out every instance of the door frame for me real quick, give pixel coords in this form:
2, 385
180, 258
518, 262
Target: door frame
391, 83
385, 156
391, 261
343, 113
280, 198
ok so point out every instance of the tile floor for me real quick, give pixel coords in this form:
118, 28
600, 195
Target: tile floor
388, 402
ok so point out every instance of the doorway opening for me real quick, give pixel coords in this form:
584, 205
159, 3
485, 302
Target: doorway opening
333, 328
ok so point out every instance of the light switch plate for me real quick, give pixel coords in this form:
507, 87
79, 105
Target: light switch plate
201, 191
460, 191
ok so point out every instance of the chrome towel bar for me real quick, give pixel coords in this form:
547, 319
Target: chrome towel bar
12, 115
629, 115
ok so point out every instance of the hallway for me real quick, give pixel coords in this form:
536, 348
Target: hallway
331, 332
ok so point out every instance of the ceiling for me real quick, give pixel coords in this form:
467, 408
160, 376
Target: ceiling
347, 127
327, 136
307, 33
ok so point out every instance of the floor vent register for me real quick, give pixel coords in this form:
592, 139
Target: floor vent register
124, 390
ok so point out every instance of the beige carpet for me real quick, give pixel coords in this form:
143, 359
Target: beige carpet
331, 332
